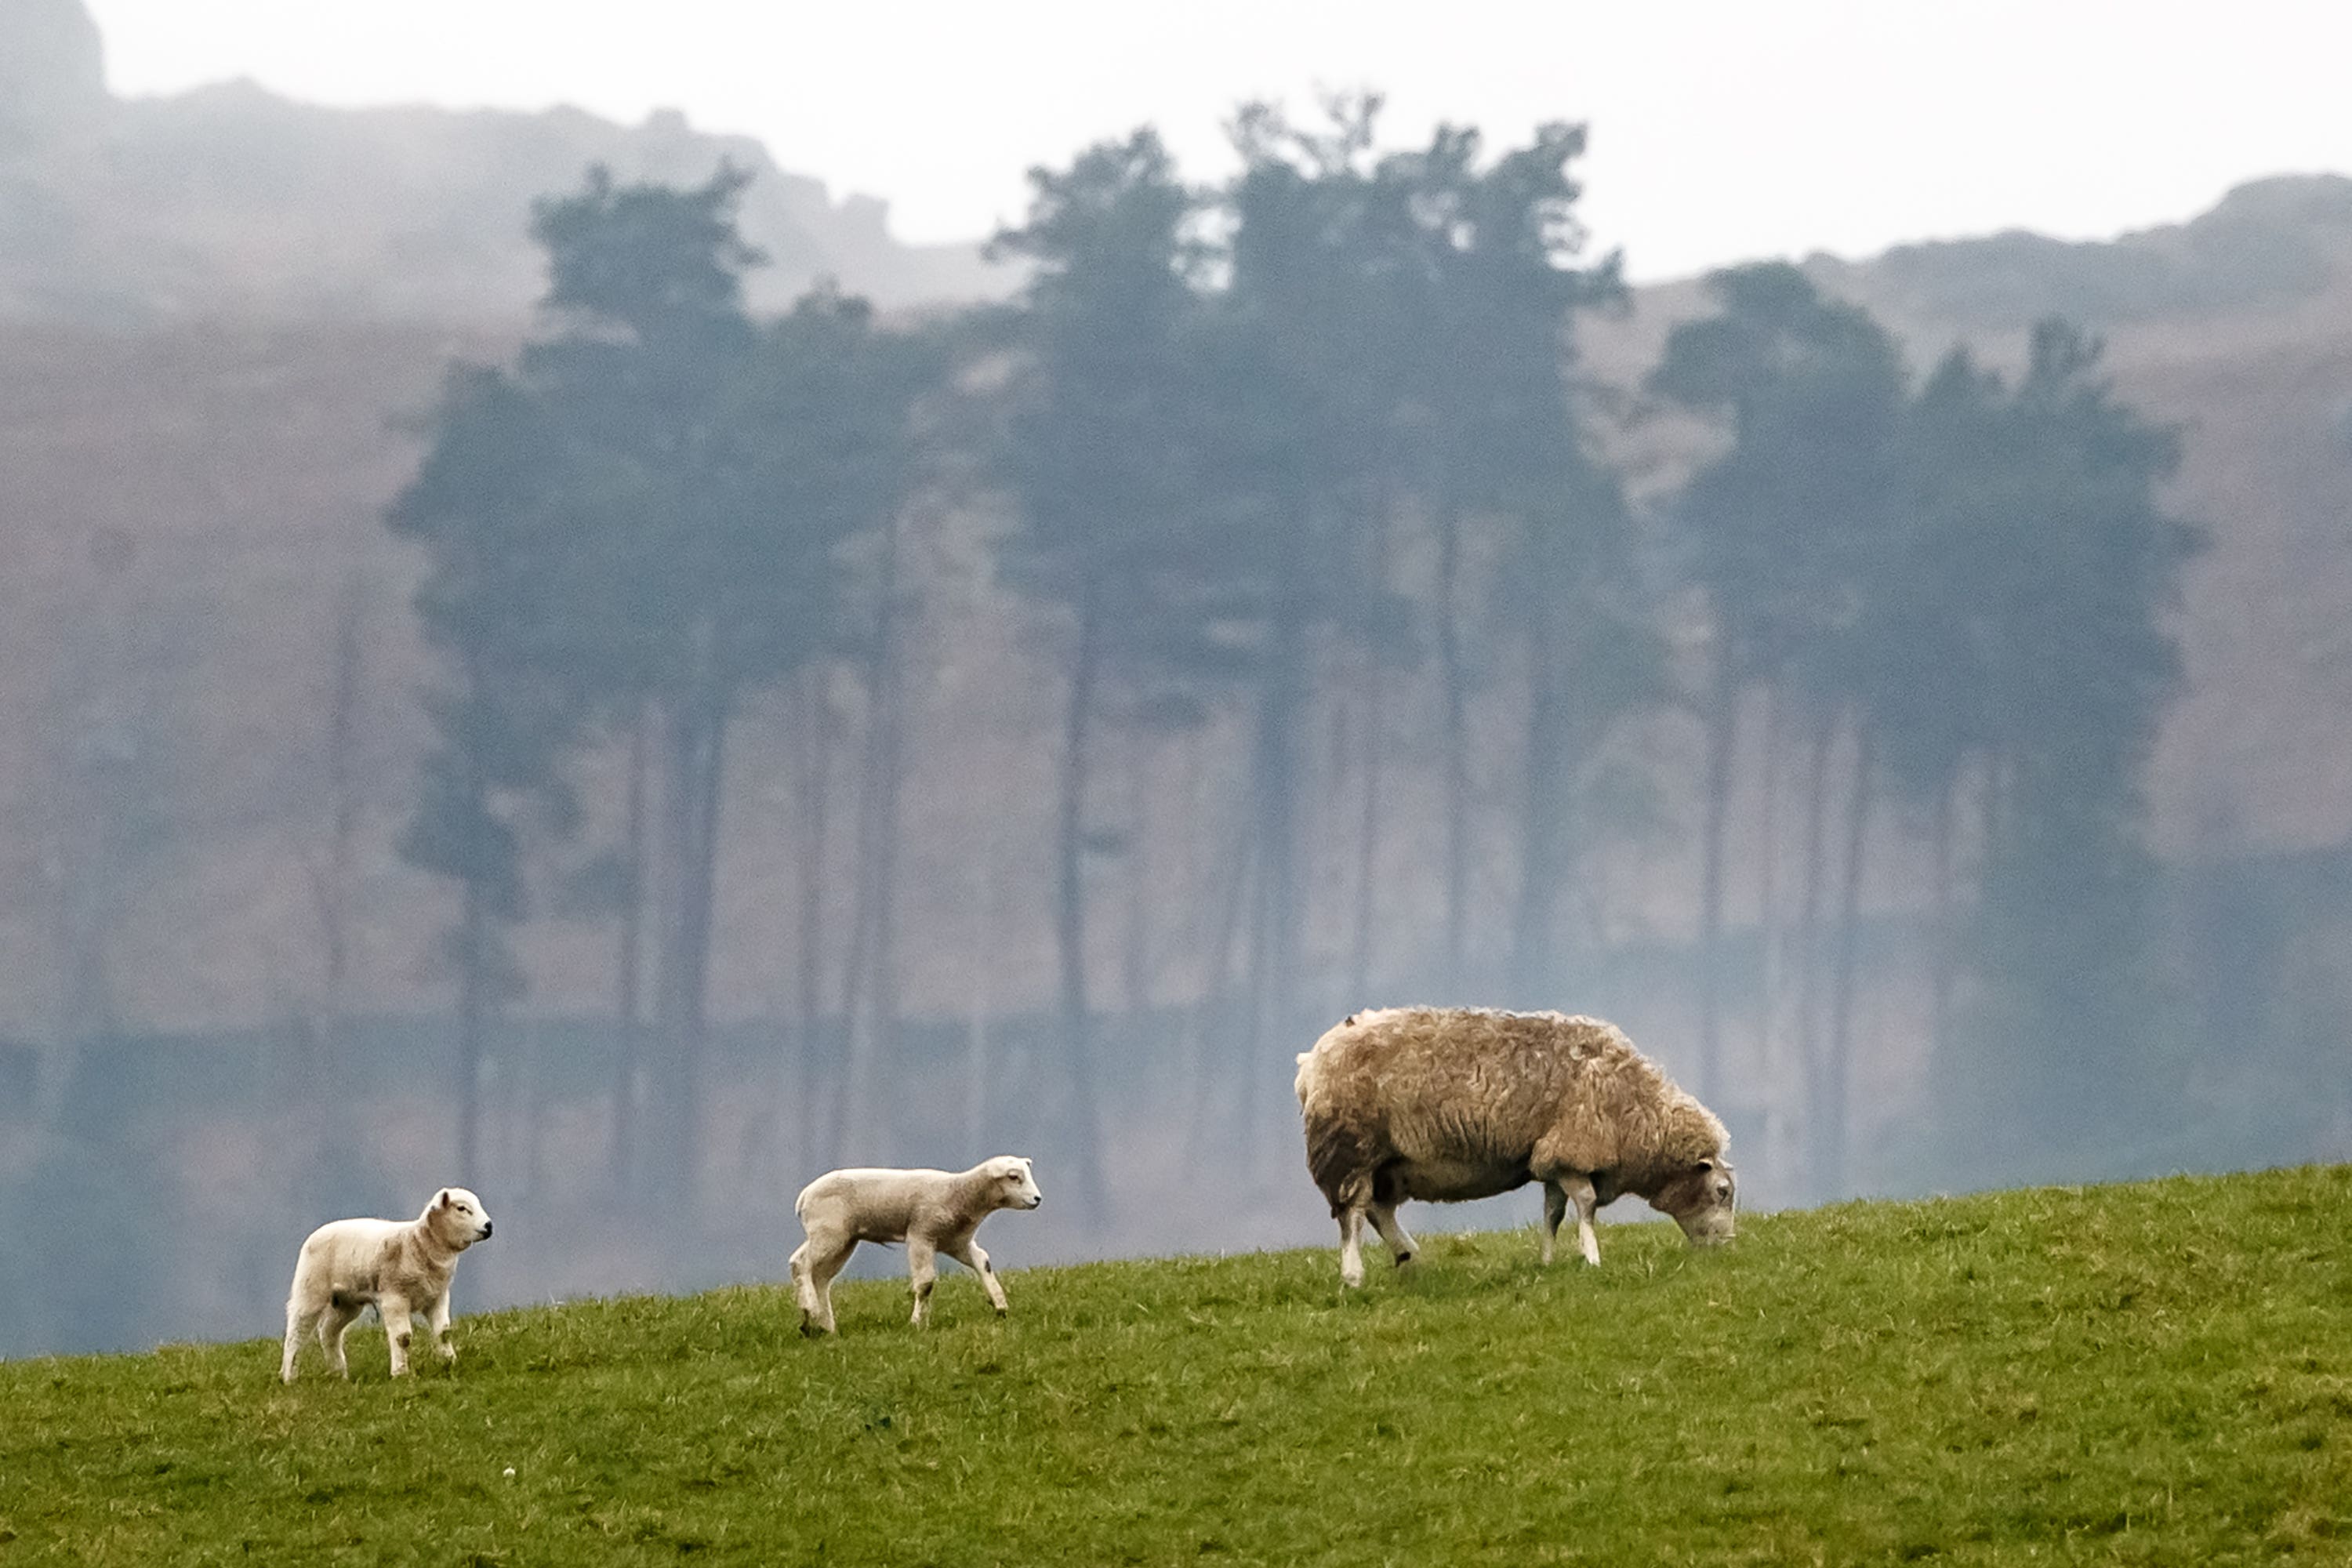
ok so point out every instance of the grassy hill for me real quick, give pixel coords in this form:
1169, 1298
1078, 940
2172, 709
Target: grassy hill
2159, 1373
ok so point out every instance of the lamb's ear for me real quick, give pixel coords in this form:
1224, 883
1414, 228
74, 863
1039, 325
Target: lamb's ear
442, 1200
1705, 1166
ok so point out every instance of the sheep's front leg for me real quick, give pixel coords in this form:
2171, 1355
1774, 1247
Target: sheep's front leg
399, 1327
972, 1257
1555, 1211
921, 1269
439, 1319
1351, 1246
334, 1325
1401, 1245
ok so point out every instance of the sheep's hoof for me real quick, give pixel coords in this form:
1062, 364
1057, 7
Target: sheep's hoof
1404, 1257
1000, 1311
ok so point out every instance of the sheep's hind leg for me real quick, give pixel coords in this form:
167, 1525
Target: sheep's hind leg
298, 1323
1579, 1189
1555, 1211
922, 1271
813, 1267
1401, 1243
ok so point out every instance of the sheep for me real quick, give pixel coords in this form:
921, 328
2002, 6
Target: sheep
400, 1268
1449, 1104
931, 1211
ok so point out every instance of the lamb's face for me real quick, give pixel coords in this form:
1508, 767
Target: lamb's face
458, 1219
1016, 1184
1702, 1201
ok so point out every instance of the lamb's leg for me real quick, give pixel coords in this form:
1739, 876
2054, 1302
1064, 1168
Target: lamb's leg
1555, 1211
333, 1324
399, 1327
1401, 1245
1351, 1246
972, 1257
298, 1323
922, 1271
438, 1317
817, 1261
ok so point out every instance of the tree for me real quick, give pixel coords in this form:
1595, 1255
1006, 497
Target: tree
2081, 564
1491, 418
1101, 452
477, 506
1782, 531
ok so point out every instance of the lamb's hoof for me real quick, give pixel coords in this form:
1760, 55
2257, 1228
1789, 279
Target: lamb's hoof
1352, 1279
1404, 1257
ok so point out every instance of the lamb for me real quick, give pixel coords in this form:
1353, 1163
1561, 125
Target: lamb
401, 1268
931, 1211
1449, 1104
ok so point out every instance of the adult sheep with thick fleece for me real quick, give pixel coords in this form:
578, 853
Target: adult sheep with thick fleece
932, 1212
401, 1268
1447, 1104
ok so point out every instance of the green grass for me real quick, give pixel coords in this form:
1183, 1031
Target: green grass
2158, 1373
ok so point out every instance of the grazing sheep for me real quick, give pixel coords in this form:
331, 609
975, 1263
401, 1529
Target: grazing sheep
931, 1211
401, 1270
1447, 1104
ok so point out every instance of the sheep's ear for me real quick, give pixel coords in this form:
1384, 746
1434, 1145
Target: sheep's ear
1705, 1166
442, 1200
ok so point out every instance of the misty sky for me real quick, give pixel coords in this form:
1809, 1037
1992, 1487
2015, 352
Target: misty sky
1722, 128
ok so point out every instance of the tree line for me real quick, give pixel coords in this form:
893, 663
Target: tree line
1279, 459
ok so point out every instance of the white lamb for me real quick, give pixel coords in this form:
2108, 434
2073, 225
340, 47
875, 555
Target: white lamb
931, 1211
401, 1268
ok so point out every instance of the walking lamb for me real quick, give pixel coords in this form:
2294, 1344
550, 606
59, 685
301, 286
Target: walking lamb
931, 1211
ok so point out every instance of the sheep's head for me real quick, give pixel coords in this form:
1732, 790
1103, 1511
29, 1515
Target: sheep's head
1702, 1199
1013, 1183
458, 1219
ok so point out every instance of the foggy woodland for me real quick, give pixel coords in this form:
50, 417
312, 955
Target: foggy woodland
729, 729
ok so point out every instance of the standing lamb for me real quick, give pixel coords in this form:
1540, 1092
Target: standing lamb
931, 1211
401, 1270
1447, 1104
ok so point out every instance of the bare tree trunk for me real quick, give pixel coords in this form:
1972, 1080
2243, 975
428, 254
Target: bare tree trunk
1945, 970
1135, 963
1070, 914
1830, 1113
867, 996
983, 963
1368, 833
690, 801
1546, 803
628, 962
1819, 745
814, 789
1722, 736
1767, 892
1454, 680
1274, 951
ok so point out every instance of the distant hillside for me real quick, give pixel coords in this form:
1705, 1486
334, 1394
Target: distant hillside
2237, 327
232, 201
2153, 1374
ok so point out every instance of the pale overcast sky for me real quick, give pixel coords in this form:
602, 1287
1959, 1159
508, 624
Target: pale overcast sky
1721, 129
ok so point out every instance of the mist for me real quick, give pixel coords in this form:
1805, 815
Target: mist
608, 680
